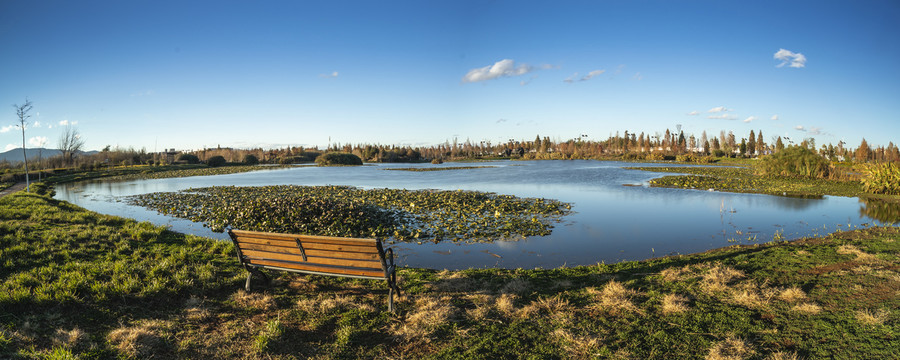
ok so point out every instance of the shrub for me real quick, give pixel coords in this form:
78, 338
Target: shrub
706, 160
189, 158
338, 158
437, 161
657, 156
216, 161
883, 178
686, 158
42, 189
251, 159
718, 153
795, 161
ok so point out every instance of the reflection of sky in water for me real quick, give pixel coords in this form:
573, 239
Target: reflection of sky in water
610, 222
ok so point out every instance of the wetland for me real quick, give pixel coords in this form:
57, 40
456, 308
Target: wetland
592, 218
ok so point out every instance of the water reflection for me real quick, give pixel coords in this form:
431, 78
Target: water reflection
610, 222
883, 211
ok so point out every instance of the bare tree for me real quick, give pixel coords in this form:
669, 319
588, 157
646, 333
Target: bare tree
69, 143
22, 113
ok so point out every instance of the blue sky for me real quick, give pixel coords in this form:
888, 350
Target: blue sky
193, 74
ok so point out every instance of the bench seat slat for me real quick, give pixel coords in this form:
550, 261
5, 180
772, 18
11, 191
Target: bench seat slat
369, 249
310, 238
312, 252
372, 273
370, 264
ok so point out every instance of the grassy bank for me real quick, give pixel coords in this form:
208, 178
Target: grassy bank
743, 179
142, 172
76, 284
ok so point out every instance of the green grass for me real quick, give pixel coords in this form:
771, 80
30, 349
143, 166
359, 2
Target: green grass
143, 172
76, 284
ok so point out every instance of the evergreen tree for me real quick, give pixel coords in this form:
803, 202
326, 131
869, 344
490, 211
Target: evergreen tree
760, 144
863, 151
779, 145
751, 143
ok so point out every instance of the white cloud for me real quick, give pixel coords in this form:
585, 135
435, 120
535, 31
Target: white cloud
67, 122
638, 76
9, 128
333, 74
11, 147
592, 74
750, 119
775, 117
36, 124
502, 68
571, 79
790, 58
693, 113
812, 130
38, 141
501, 120
718, 109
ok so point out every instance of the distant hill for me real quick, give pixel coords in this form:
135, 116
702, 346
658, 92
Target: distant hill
15, 155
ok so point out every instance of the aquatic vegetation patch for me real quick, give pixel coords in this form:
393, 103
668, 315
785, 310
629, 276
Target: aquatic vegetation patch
348, 211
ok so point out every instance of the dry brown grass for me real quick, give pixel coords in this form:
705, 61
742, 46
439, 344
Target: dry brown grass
718, 277
614, 298
506, 304
578, 346
751, 295
324, 303
429, 314
807, 308
483, 306
145, 339
792, 294
69, 338
673, 274
194, 309
515, 286
555, 307
731, 348
674, 304
257, 301
781, 355
455, 282
861, 256
872, 317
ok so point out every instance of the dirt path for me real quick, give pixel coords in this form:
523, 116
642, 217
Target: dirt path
17, 187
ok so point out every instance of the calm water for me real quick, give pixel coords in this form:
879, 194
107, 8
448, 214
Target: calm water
610, 223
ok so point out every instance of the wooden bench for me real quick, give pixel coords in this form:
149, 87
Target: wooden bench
318, 255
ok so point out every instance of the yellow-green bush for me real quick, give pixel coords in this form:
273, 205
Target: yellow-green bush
795, 161
883, 178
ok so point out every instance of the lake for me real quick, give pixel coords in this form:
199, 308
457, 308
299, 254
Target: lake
610, 222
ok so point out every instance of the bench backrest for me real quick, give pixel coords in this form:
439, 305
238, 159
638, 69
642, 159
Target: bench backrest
350, 257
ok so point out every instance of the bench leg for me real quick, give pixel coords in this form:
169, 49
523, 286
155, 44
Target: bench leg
392, 289
250, 272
